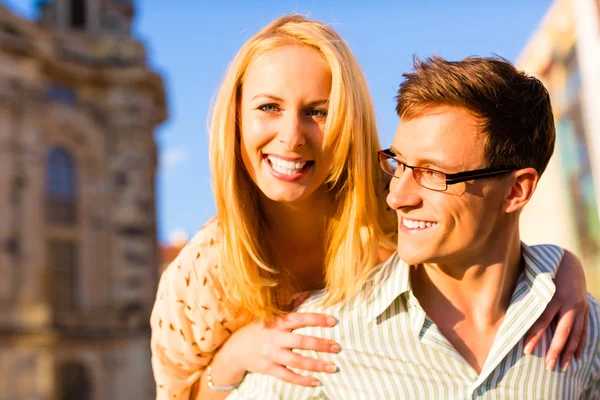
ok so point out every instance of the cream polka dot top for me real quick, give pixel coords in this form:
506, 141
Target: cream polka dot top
189, 320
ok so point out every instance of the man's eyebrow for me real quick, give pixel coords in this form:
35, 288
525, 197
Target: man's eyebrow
430, 161
395, 151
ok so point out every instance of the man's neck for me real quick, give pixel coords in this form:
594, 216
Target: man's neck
468, 301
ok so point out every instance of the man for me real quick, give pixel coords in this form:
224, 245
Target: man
447, 316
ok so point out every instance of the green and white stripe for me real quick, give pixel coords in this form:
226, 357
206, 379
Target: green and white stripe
392, 350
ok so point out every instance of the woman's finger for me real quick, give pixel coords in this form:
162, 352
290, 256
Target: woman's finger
572, 342
293, 360
283, 373
290, 340
539, 327
561, 335
293, 320
584, 334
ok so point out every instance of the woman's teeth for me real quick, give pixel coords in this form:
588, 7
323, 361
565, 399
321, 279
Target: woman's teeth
413, 224
286, 167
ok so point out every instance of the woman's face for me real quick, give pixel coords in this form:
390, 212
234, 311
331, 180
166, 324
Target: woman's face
282, 114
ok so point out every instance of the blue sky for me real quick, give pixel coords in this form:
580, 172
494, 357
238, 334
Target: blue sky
191, 44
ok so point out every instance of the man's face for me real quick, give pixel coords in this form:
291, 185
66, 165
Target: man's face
451, 226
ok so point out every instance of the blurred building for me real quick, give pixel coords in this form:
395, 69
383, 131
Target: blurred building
565, 54
78, 252
170, 250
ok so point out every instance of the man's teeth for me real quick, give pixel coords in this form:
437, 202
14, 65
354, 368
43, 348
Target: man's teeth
409, 223
286, 167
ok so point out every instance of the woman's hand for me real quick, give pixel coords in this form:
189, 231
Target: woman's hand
570, 305
266, 348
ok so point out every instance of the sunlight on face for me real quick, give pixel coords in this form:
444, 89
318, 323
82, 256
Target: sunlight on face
283, 113
435, 226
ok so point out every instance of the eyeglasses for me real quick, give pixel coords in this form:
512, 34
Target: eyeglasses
431, 178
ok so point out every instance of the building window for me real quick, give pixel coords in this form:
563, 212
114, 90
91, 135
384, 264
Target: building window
64, 267
61, 94
9, 29
61, 188
73, 382
78, 14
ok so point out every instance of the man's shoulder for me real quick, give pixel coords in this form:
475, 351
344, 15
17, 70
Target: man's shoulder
594, 314
542, 258
375, 286
592, 346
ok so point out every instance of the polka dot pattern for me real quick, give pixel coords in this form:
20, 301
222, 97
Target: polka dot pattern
189, 320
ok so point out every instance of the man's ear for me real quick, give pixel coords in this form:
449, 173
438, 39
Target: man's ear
524, 182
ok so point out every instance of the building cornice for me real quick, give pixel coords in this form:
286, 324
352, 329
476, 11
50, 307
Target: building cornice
82, 59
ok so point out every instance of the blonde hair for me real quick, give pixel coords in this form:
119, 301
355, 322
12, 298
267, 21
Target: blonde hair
355, 235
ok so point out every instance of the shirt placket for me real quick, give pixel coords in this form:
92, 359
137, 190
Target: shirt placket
431, 337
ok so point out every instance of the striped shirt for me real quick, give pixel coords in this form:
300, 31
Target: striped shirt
392, 350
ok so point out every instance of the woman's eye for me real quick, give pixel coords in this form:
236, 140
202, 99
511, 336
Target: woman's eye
317, 112
269, 108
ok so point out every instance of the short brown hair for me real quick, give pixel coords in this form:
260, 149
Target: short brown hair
514, 108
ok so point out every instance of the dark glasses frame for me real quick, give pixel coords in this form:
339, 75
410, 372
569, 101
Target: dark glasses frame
450, 178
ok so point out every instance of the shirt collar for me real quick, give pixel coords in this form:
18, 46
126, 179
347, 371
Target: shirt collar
392, 278
541, 264
534, 290
388, 282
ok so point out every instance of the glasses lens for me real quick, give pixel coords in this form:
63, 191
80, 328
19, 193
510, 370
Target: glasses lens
430, 179
388, 164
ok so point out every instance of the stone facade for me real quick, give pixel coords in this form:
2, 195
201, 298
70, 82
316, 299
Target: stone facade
564, 53
78, 252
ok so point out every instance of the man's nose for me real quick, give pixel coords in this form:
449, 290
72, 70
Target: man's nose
404, 190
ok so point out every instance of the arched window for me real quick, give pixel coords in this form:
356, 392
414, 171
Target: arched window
61, 188
78, 14
73, 382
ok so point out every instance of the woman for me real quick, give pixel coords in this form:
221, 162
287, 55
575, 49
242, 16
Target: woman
300, 206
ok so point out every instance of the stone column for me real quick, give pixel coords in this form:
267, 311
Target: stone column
133, 216
31, 214
63, 13
93, 223
8, 239
586, 15
94, 17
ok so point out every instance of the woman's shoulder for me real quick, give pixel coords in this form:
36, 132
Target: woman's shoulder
189, 320
193, 277
207, 237
201, 251
196, 264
